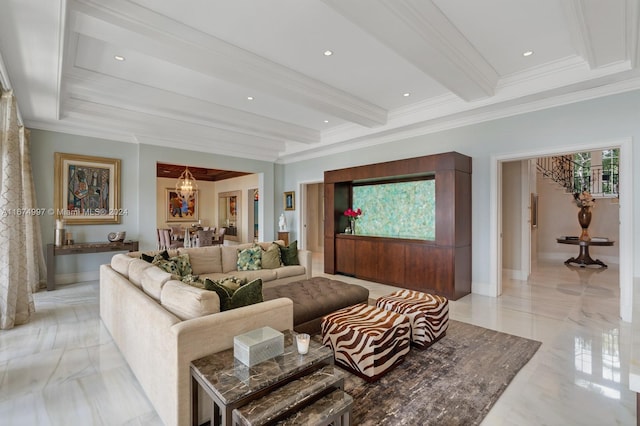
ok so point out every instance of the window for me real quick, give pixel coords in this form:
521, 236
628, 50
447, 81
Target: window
610, 170
597, 172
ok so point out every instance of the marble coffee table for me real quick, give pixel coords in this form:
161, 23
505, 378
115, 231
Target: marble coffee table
231, 384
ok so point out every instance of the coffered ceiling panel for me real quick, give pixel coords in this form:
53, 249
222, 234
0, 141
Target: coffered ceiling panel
281, 80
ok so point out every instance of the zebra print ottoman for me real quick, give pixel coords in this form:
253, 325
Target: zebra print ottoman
428, 314
366, 340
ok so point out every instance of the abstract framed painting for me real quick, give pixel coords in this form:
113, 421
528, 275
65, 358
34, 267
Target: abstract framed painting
181, 209
87, 189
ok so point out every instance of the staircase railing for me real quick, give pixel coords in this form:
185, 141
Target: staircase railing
567, 173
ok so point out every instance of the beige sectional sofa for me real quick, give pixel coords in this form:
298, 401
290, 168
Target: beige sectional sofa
160, 324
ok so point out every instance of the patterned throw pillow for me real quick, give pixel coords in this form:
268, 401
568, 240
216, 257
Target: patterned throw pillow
167, 266
250, 259
289, 254
271, 257
183, 263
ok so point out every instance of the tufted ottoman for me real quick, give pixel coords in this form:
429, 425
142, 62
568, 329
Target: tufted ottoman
316, 297
428, 314
367, 340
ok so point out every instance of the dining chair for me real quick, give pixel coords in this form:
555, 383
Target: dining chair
167, 242
204, 238
220, 239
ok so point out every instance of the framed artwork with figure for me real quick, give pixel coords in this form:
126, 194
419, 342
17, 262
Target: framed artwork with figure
290, 200
181, 209
87, 189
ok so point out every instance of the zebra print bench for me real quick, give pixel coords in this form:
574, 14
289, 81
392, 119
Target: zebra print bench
428, 314
367, 340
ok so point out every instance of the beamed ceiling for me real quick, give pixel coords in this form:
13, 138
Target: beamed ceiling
249, 78
174, 171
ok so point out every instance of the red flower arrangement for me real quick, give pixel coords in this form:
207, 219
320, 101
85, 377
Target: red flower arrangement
352, 214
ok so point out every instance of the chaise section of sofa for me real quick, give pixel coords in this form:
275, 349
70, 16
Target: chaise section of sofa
160, 325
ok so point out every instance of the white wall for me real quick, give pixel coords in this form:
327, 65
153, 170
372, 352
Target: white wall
559, 216
138, 192
590, 122
43, 146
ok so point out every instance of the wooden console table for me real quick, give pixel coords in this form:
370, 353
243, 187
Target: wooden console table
81, 248
584, 259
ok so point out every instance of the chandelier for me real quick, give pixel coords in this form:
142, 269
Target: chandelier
186, 184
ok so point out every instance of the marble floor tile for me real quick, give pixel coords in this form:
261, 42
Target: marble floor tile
62, 368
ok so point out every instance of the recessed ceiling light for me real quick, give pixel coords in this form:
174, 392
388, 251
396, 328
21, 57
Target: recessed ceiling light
326, 121
406, 94
528, 53
118, 58
249, 98
328, 52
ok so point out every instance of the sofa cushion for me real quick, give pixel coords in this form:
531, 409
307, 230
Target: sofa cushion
120, 263
204, 259
229, 258
250, 259
152, 281
136, 269
264, 274
289, 253
271, 257
290, 271
187, 302
247, 294
214, 276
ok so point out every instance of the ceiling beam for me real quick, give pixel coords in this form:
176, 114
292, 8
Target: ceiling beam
100, 88
422, 34
598, 30
125, 24
172, 132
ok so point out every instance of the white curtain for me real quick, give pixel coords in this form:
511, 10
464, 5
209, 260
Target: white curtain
22, 269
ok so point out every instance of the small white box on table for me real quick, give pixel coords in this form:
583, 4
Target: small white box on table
258, 345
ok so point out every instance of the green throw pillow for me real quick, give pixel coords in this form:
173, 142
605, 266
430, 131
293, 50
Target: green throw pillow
246, 294
289, 254
250, 259
271, 257
224, 293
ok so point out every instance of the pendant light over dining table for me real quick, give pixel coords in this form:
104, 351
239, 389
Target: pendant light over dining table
186, 185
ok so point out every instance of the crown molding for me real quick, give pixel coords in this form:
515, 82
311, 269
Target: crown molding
123, 23
538, 101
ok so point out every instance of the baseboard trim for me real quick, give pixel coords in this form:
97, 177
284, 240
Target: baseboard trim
77, 277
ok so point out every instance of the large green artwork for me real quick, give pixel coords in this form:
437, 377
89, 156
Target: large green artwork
400, 210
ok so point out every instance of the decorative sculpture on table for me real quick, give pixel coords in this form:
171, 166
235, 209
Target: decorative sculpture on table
282, 223
585, 201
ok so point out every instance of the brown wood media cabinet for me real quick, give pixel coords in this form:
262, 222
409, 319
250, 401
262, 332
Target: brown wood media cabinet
441, 266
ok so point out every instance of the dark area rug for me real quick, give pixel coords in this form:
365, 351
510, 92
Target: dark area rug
456, 381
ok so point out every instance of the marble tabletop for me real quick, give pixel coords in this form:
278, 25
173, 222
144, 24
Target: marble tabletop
230, 380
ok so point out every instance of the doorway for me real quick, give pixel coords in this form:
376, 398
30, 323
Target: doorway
625, 244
